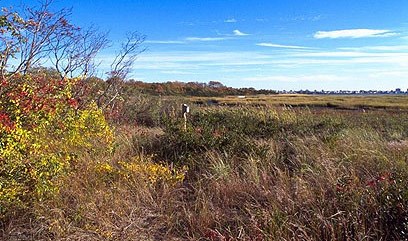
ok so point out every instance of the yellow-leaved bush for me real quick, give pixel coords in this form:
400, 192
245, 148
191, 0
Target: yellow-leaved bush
141, 169
42, 131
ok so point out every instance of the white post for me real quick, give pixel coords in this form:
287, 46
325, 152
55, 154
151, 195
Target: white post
185, 109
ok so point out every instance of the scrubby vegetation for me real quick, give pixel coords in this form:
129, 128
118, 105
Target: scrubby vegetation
42, 131
237, 173
273, 174
85, 159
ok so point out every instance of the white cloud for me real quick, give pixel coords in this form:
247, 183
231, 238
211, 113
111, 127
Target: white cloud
354, 33
202, 57
164, 42
176, 72
378, 48
336, 54
281, 46
299, 78
230, 20
302, 18
205, 39
352, 54
316, 18
195, 60
239, 33
285, 69
261, 20
400, 74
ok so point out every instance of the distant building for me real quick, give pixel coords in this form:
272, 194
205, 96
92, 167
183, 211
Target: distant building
346, 92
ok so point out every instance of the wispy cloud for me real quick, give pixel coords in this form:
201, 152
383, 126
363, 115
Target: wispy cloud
205, 39
230, 20
354, 33
261, 20
302, 18
298, 78
283, 69
204, 60
176, 72
239, 33
164, 42
351, 54
316, 18
187, 23
281, 46
198, 39
378, 48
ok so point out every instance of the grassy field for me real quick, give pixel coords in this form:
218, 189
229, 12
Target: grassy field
239, 172
332, 101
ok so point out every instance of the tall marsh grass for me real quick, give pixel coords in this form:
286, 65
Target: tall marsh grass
236, 173
284, 174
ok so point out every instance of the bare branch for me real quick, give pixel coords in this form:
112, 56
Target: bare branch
74, 54
42, 35
124, 60
120, 68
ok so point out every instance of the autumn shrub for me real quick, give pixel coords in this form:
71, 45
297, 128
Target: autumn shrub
239, 131
42, 132
294, 174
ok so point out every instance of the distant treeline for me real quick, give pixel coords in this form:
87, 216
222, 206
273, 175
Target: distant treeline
210, 89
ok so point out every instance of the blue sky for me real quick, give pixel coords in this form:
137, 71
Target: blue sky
298, 44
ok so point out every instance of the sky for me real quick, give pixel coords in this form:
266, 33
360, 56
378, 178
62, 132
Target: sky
265, 44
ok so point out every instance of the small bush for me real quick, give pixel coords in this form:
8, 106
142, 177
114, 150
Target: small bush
42, 131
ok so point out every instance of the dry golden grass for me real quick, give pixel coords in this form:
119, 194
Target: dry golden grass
332, 101
324, 175
254, 174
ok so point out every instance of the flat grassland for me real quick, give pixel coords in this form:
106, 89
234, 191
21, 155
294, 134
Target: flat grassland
278, 167
301, 100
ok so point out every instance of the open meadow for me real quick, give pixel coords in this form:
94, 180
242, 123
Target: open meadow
238, 172
302, 100
134, 138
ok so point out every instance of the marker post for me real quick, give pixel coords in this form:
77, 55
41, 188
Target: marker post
185, 109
